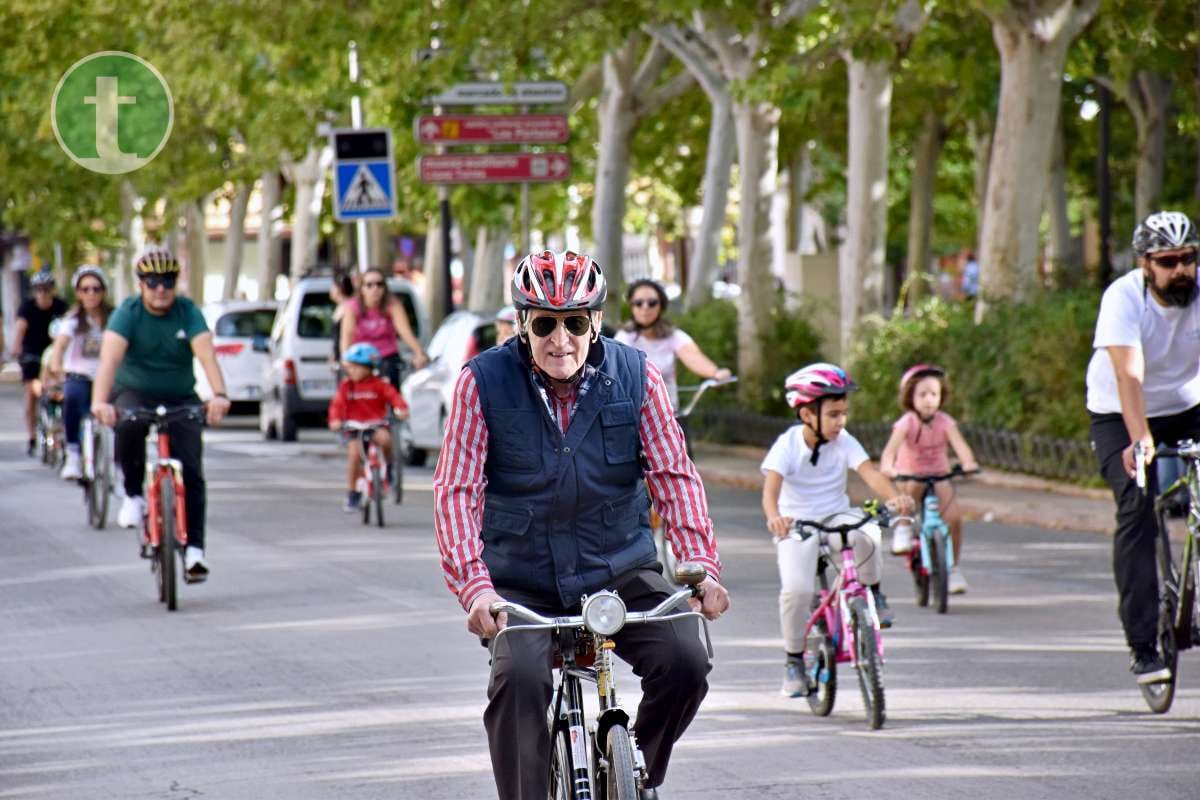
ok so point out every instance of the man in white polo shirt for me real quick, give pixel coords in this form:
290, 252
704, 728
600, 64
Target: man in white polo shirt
1143, 386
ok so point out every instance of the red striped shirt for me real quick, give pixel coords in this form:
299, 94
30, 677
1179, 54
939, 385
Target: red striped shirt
459, 485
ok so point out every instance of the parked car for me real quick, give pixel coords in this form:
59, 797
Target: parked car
241, 329
299, 380
461, 336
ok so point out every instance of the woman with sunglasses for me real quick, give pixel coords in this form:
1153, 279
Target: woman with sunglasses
377, 318
539, 496
76, 356
662, 342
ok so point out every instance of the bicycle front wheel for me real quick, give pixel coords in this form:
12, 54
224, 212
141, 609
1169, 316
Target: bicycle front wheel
619, 776
99, 486
399, 456
377, 495
820, 669
870, 666
1159, 696
167, 546
939, 576
920, 577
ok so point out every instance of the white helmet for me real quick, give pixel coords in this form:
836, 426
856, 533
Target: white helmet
1164, 230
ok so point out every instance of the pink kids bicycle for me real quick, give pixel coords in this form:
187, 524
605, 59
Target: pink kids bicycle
844, 627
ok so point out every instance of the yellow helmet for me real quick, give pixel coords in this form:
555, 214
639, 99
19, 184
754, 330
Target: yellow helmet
156, 260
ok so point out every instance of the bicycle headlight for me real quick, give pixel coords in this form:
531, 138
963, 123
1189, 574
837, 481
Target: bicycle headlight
604, 613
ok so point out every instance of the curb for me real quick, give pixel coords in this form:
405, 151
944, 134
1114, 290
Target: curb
974, 509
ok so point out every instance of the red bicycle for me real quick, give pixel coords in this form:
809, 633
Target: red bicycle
164, 528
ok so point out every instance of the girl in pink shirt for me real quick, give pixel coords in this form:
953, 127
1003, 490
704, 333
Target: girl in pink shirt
918, 447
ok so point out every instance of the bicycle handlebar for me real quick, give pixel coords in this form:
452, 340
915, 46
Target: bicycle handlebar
820, 525
699, 390
957, 472
355, 425
163, 413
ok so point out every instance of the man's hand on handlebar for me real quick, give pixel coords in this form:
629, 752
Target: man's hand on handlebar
480, 620
713, 600
1129, 459
216, 409
105, 414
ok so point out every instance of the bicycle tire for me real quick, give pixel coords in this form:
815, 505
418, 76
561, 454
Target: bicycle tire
102, 477
939, 577
1159, 696
377, 495
821, 670
870, 669
562, 769
167, 543
620, 779
399, 456
920, 577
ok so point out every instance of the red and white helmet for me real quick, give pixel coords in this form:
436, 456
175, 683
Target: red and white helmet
816, 381
558, 282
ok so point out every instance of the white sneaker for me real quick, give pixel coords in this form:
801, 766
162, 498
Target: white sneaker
192, 556
194, 568
901, 540
957, 583
131, 513
73, 467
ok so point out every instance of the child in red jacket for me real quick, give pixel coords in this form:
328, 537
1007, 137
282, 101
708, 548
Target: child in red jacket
363, 397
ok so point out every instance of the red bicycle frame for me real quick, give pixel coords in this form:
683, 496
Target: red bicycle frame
165, 469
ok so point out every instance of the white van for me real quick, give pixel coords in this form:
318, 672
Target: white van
298, 382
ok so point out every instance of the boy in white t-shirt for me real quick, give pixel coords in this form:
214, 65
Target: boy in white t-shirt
805, 475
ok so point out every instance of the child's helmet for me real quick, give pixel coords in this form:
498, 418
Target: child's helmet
918, 371
507, 314
362, 353
817, 381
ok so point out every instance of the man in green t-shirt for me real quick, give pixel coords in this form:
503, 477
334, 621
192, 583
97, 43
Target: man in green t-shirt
146, 361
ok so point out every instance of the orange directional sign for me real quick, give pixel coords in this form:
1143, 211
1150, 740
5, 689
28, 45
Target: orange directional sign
496, 168
492, 129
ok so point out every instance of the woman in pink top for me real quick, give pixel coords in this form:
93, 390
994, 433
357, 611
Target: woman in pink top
918, 447
375, 317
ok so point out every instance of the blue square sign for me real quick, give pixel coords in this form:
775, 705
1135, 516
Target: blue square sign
364, 182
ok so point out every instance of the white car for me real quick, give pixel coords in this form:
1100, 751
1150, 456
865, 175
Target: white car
461, 336
298, 381
240, 331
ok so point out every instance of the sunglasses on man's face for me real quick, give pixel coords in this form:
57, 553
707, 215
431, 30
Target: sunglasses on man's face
576, 325
49, 288
155, 281
651, 303
1171, 262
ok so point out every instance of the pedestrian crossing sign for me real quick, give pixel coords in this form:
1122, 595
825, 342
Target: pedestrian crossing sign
364, 174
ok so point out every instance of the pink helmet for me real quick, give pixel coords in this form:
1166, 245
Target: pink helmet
558, 282
816, 381
920, 371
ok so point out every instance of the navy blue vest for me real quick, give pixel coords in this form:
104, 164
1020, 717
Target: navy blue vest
564, 513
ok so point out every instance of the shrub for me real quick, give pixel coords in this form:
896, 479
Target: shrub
1022, 369
790, 343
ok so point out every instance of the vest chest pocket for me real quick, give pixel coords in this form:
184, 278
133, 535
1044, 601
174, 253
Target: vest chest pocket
515, 440
507, 526
619, 423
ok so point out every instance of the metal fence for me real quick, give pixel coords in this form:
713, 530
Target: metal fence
1062, 459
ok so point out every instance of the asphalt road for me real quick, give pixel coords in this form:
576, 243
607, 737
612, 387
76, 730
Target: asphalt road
325, 659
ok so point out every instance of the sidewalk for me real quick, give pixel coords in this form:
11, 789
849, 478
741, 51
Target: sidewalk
992, 496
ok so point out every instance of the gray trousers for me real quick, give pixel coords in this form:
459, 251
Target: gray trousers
670, 659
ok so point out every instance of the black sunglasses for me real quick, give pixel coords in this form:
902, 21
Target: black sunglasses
89, 289
1171, 262
576, 325
651, 303
155, 281
373, 284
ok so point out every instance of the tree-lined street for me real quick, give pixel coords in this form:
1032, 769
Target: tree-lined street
326, 659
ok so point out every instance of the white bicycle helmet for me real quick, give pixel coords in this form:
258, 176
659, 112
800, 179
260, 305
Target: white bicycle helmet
1164, 230
86, 270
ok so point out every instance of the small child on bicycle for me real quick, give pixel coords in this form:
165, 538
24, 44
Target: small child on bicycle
805, 475
363, 397
917, 446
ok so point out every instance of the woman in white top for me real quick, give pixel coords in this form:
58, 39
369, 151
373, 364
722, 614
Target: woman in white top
76, 355
661, 341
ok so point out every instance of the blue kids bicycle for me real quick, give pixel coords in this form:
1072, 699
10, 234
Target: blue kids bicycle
931, 555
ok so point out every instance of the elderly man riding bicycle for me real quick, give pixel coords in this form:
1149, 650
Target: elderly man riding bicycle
540, 499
